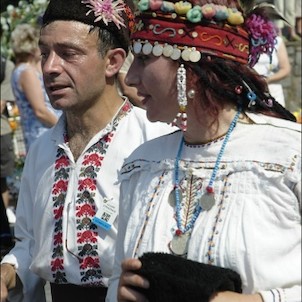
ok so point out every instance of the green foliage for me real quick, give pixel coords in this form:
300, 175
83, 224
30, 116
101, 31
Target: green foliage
29, 12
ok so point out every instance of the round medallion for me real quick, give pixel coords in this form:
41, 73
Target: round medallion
157, 50
176, 54
179, 244
168, 50
195, 56
207, 201
137, 47
186, 55
147, 48
172, 198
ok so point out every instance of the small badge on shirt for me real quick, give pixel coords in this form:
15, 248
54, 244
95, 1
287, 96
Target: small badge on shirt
106, 215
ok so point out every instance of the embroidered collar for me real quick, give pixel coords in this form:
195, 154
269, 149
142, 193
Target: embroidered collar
85, 209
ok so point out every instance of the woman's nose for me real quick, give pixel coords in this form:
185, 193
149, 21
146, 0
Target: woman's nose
132, 78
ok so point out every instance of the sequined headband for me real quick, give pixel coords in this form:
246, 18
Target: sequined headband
181, 30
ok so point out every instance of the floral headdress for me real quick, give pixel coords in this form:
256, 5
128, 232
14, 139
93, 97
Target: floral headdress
107, 11
183, 30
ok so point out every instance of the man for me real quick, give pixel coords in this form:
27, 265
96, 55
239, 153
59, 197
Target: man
68, 205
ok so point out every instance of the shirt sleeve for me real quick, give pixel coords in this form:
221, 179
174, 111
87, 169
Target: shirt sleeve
21, 255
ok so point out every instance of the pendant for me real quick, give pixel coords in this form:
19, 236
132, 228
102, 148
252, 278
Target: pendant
172, 198
179, 244
207, 201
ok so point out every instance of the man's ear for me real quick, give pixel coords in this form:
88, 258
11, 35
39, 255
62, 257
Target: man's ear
115, 59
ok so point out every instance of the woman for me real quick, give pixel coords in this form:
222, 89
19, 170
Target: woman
275, 69
225, 189
37, 114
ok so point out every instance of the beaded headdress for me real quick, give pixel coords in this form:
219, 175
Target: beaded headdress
187, 31
114, 15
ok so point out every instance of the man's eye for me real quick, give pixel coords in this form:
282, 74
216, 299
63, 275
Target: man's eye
68, 54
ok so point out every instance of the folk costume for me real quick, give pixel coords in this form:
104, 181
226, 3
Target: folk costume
63, 244
229, 234
232, 203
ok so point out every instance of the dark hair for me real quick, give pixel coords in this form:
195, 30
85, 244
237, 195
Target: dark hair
107, 40
216, 80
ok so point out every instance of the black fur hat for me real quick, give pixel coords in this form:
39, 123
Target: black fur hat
82, 11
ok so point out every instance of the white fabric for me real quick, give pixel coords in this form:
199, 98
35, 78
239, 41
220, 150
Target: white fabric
254, 227
35, 223
266, 68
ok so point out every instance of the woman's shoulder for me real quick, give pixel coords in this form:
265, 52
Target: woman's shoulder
278, 123
153, 153
158, 147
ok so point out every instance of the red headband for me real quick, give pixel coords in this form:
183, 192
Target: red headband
178, 39
181, 30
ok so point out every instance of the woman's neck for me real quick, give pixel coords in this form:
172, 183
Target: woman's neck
207, 131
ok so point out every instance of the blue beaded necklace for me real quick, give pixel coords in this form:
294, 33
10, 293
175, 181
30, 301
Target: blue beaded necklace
209, 195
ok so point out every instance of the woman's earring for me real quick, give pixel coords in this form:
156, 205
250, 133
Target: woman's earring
181, 98
191, 94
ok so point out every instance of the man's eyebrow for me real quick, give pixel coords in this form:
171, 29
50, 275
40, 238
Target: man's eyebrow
62, 45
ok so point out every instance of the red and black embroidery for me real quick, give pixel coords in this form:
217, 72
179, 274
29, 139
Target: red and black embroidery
85, 209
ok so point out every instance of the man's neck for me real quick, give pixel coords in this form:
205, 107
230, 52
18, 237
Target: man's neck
81, 128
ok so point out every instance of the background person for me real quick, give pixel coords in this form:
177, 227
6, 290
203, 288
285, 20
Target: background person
7, 146
37, 115
67, 211
7, 157
274, 69
224, 190
291, 10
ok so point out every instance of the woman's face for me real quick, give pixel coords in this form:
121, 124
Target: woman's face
155, 80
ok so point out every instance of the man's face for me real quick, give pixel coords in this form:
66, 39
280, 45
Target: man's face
73, 69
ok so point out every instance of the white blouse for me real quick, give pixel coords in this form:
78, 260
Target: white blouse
36, 225
267, 66
254, 227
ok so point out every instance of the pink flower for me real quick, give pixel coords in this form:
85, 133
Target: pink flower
107, 11
263, 35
